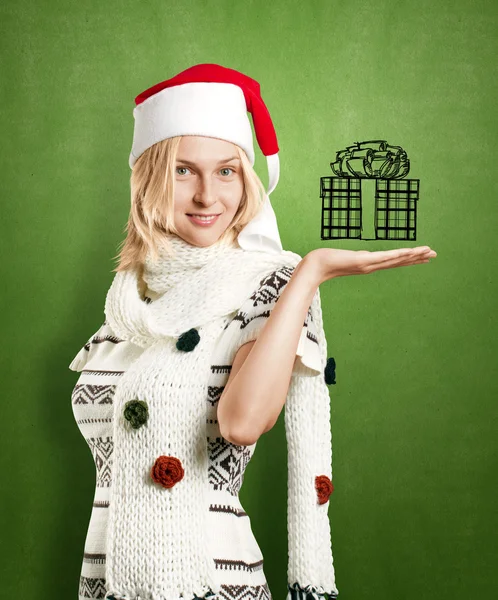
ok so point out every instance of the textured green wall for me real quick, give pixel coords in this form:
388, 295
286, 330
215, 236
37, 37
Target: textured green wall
414, 414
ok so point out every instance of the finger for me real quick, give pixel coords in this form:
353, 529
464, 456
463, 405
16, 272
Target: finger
387, 256
394, 263
407, 256
399, 257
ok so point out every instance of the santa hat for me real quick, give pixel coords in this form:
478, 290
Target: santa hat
213, 101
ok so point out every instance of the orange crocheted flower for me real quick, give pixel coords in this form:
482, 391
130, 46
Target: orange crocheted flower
167, 471
324, 487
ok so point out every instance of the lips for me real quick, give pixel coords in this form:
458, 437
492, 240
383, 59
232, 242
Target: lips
203, 222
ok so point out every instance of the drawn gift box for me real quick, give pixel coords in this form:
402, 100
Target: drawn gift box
395, 206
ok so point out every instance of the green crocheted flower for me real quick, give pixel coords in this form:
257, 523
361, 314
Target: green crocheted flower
188, 340
136, 412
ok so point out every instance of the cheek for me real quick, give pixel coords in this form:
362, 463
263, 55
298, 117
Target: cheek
232, 205
234, 195
182, 196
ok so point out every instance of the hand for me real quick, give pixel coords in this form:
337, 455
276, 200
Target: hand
332, 262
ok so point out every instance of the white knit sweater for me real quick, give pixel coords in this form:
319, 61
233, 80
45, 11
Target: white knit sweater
157, 545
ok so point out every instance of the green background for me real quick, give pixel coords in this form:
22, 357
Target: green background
414, 417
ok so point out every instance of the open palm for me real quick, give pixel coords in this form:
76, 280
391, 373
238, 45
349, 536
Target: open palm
333, 262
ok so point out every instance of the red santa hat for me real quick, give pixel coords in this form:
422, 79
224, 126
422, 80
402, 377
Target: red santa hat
212, 100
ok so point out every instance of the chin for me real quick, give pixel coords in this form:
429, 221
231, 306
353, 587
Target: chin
202, 241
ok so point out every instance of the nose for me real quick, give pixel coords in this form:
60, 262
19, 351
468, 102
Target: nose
205, 193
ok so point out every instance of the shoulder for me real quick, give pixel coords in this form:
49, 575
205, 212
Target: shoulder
265, 295
250, 318
99, 344
271, 285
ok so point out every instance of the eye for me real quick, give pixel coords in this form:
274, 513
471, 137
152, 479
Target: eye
181, 168
227, 169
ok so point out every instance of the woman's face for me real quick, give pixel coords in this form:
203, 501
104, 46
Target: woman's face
208, 181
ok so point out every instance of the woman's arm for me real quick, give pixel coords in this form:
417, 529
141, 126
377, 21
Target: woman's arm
257, 387
256, 390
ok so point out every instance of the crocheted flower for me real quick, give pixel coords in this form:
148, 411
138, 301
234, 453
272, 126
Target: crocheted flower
324, 487
167, 471
188, 340
136, 412
330, 371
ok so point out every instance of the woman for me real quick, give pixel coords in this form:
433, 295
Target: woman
196, 359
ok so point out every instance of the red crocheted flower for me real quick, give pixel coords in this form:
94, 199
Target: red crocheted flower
167, 471
324, 487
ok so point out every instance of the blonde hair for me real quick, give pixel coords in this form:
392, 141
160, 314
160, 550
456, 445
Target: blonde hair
151, 215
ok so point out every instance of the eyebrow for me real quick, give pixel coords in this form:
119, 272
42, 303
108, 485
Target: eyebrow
224, 160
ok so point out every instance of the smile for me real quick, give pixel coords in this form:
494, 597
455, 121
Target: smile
200, 220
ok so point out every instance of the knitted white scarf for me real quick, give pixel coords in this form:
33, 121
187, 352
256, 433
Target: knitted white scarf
156, 540
169, 270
